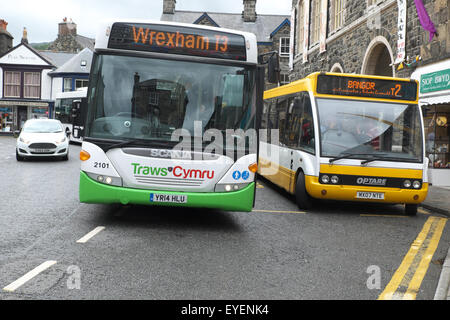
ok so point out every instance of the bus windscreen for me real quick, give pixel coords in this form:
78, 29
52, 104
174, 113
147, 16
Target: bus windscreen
366, 87
177, 40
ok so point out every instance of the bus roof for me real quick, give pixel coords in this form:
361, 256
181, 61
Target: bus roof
310, 83
105, 27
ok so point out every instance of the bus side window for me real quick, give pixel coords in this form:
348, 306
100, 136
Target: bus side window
307, 124
272, 119
282, 106
293, 123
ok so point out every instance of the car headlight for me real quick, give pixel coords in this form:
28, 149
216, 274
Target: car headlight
407, 184
61, 140
24, 141
416, 184
325, 179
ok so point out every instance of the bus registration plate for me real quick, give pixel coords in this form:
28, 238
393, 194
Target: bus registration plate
171, 198
370, 195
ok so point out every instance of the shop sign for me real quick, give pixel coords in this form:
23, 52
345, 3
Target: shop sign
435, 81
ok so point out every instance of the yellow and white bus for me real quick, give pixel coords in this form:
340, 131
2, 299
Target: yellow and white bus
346, 137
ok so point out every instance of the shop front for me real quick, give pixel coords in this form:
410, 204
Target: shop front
13, 114
434, 98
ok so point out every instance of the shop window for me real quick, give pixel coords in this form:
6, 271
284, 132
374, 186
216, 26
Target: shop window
437, 133
31, 85
6, 119
12, 84
39, 112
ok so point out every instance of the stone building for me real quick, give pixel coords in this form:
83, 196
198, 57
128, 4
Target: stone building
272, 31
382, 37
69, 40
6, 39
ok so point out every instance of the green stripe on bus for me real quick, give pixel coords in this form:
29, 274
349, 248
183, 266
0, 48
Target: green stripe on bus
92, 191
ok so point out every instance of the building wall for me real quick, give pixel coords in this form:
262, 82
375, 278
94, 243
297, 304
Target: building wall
353, 45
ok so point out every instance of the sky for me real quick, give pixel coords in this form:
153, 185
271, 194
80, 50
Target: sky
41, 17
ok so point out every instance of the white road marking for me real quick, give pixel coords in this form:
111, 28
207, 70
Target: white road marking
30, 275
90, 235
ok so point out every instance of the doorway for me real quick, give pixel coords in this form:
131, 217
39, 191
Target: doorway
22, 116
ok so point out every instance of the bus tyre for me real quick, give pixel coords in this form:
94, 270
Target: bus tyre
18, 157
304, 200
410, 209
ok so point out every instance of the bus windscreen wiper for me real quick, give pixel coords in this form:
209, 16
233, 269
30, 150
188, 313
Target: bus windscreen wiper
144, 143
350, 155
378, 159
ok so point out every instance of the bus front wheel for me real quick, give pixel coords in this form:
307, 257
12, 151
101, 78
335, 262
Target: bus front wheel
410, 209
304, 200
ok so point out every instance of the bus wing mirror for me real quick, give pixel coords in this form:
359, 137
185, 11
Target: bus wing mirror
76, 108
273, 71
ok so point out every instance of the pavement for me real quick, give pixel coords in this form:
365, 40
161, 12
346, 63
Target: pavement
438, 200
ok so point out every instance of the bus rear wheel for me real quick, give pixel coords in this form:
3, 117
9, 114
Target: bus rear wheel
304, 200
410, 209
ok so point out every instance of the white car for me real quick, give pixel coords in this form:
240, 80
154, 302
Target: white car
42, 138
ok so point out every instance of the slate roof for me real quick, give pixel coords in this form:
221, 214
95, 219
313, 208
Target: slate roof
57, 58
73, 65
263, 27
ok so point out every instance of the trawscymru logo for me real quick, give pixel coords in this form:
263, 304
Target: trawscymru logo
177, 172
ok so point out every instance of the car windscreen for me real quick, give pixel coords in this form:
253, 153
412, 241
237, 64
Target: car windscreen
42, 126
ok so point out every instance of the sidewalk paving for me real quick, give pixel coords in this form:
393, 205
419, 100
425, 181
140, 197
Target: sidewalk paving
438, 200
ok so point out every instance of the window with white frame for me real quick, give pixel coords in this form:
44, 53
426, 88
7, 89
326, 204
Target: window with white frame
12, 84
338, 14
80, 83
315, 23
284, 78
31, 84
301, 26
284, 46
67, 84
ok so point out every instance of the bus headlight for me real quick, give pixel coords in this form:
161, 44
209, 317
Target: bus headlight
228, 187
334, 179
416, 184
407, 184
325, 179
112, 181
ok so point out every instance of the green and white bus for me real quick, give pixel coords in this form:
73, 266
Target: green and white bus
169, 111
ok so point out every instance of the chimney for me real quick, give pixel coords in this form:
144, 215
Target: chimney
24, 36
169, 6
66, 28
249, 13
5, 38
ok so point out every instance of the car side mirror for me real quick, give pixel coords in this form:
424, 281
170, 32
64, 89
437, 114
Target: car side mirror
17, 133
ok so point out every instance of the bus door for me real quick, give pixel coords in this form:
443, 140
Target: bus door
299, 134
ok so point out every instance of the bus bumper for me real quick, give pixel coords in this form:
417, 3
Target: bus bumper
348, 193
92, 191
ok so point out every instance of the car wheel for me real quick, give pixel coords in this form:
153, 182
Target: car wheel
304, 200
66, 157
410, 209
18, 157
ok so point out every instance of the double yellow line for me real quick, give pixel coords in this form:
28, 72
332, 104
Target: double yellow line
407, 279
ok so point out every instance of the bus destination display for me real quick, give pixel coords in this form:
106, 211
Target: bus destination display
366, 87
177, 40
